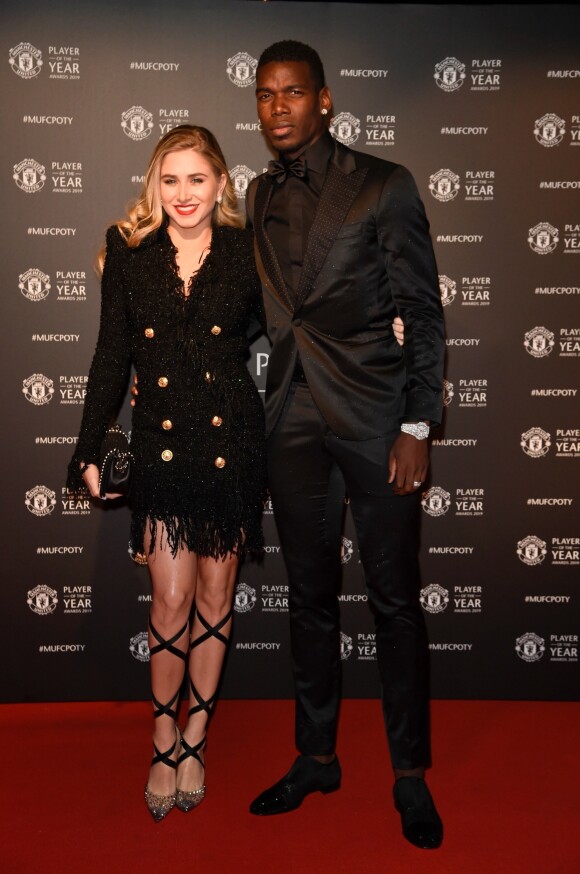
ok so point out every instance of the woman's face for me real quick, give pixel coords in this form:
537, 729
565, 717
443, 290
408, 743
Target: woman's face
189, 189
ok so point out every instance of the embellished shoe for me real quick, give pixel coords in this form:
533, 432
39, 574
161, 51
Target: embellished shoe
186, 800
160, 805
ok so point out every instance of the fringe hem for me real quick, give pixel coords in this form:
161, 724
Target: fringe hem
207, 539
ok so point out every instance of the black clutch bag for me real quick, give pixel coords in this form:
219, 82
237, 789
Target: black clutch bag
116, 463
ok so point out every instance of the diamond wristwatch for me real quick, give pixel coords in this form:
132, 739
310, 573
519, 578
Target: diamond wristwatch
419, 430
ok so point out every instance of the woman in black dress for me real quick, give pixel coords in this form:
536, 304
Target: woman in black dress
179, 295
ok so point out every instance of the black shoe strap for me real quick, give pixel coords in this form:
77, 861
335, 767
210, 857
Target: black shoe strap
212, 630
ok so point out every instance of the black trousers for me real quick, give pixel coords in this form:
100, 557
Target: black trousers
309, 471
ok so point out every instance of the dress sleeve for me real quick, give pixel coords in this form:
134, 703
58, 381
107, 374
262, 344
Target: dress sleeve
257, 315
109, 372
257, 320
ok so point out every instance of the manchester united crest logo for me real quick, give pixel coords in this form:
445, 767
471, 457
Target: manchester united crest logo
241, 69
25, 60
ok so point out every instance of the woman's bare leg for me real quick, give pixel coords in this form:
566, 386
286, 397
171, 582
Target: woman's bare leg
209, 637
173, 582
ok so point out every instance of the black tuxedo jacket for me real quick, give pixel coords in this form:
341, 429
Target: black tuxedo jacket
369, 257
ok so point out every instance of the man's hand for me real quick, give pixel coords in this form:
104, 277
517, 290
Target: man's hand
408, 464
91, 478
399, 330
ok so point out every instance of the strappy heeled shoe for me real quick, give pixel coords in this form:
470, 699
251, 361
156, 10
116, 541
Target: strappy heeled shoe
184, 799
187, 800
160, 805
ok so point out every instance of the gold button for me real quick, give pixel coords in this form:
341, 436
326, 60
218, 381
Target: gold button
162, 382
216, 421
167, 424
220, 462
216, 330
167, 455
208, 376
149, 333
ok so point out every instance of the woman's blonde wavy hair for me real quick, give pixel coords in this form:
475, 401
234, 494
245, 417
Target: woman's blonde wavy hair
145, 215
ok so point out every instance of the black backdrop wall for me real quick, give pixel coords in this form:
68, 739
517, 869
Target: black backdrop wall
483, 105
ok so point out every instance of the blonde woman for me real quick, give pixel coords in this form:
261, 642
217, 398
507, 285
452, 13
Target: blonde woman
179, 295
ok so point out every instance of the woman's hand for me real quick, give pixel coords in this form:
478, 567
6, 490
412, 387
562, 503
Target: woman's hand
399, 330
134, 390
91, 480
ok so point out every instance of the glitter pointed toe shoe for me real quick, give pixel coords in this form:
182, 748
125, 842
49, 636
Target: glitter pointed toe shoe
187, 800
160, 805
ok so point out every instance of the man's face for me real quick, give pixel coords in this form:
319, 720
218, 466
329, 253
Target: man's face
289, 106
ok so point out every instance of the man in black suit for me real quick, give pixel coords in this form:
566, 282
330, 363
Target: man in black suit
342, 247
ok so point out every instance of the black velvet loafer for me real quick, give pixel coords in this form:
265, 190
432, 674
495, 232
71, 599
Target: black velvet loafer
422, 824
305, 776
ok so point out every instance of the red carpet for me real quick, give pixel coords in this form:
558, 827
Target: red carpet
505, 778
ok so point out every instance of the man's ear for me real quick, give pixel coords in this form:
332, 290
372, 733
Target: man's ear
325, 100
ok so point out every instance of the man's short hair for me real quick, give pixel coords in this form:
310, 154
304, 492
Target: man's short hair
292, 50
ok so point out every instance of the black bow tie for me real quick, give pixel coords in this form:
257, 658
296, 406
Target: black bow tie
278, 170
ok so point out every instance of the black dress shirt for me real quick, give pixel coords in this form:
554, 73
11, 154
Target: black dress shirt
292, 208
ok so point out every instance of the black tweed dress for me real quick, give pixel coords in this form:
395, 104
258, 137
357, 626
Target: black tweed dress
198, 425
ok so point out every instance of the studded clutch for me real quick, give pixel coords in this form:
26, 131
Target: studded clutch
116, 463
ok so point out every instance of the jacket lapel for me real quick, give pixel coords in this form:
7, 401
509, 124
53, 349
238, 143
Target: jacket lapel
267, 253
342, 184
